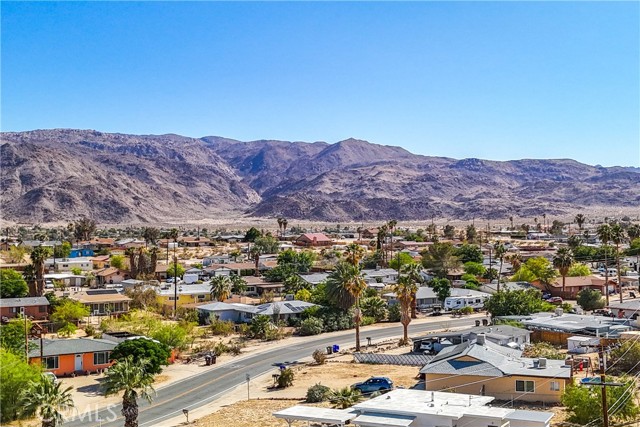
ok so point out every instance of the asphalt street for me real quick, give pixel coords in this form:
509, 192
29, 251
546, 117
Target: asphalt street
202, 389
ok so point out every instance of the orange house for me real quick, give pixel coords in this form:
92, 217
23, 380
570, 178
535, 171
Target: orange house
65, 357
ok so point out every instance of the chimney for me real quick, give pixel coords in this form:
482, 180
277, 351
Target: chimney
481, 339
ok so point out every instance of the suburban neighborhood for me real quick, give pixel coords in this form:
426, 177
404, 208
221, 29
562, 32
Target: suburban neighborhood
369, 326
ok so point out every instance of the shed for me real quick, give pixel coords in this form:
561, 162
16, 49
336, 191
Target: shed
580, 344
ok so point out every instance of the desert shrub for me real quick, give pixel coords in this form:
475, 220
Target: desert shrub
543, 349
235, 348
394, 313
90, 330
311, 326
220, 348
317, 393
286, 378
367, 320
221, 327
466, 310
319, 357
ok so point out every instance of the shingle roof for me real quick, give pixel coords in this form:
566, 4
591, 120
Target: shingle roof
56, 347
23, 302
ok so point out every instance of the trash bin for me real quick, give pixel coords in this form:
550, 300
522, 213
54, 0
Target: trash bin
477, 323
329, 350
207, 360
213, 359
336, 348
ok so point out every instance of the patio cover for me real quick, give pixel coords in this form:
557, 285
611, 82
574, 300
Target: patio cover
318, 415
383, 420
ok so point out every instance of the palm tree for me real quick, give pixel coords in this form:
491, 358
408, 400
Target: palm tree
353, 253
130, 376
500, 251
345, 286
48, 399
405, 291
221, 287
580, 219
575, 241
605, 236
413, 271
150, 235
544, 217
284, 226
280, 225
238, 284
263, 245
633, 231
38, 256
563, 260
345, 397
511, 221
617, 237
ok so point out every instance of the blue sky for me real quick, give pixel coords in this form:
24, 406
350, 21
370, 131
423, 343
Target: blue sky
496, 80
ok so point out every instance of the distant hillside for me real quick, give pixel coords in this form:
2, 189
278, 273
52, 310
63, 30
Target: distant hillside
50, 175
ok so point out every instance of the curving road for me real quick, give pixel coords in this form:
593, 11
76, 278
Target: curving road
204, 388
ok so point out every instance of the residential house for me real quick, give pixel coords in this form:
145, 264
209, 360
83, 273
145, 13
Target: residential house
102, 302
65, 357
629, 309
369, 233
187, 294
66, 264
35, 308
97, 243
110, 275
68, 279
419, 408
100, 262
161, 272
384, 276
497, 371
313, 240
283, 310
314, 279
504, 335
194, 242
257, 286
573, 323
573, 285
80, 253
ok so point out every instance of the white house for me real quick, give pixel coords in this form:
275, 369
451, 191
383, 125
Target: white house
418, 408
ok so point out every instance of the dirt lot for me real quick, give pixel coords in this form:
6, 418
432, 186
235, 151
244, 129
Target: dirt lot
250, 414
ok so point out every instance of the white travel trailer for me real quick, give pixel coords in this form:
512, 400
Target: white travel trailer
456, 303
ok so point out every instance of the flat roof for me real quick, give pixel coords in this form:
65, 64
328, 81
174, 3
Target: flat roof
524, 415
312, 413
383, 420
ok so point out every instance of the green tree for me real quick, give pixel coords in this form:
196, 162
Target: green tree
563, 260
294, 284
155, 353
405, 291
221, 288
345, 286
517, 302
38, 256
12, 336
173, 336
131, 375
175, 269
624, 359
260, 326
581, 400
469, 253
574, 241
300, 261
475, 269
12, 284
442, 288
15, 373
354, 253
633, 232
578, 269
590, 299
401, 259
580, 219
150, 235
252, 234
69, 312
76, 271
303, 295
440, 258
47, 398
84, 228
263, 245
117, 261
500, 252
63, 250
449, 231
471, 233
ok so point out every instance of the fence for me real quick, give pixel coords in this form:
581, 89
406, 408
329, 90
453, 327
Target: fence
393, 359
560, 338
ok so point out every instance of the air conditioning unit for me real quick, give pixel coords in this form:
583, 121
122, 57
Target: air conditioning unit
542, 363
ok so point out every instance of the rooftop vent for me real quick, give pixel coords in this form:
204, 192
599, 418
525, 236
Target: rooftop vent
542, 363
481, 339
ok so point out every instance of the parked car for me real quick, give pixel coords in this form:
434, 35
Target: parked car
555, 300
51, 376
603, 312
374, 384
546, 295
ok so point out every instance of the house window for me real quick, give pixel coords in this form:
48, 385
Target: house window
172, 298
525, 386
101, 357
42, 309
50, 362
555, 385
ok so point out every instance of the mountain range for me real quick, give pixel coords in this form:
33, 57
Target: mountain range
61, 174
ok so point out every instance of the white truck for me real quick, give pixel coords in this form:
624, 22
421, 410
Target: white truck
190, 278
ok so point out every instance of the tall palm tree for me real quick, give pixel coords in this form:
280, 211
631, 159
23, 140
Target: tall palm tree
580, 219
405, 291
353, 253
413, 271
516, 261
617, 237
563, 260
284, 226
263, 245
511, 221
280, 225
38, 256
47, 398
605, 236
221, 287
132, 377
500, 252
345, 286
238, 284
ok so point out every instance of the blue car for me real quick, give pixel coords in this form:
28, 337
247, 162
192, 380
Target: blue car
374, 384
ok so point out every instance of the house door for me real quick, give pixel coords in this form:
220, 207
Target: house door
78, 366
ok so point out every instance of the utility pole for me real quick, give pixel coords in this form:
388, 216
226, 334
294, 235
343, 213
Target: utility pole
605, 408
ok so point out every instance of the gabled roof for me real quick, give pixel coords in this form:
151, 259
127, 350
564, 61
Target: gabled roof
318, 237
56, 347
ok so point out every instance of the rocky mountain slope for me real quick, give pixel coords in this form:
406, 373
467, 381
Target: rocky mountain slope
50, 175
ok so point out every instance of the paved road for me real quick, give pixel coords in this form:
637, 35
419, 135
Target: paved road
200, 390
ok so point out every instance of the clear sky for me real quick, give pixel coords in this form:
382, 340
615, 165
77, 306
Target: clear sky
496, 80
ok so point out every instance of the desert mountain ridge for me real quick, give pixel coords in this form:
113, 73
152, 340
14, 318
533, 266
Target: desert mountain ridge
61, 174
